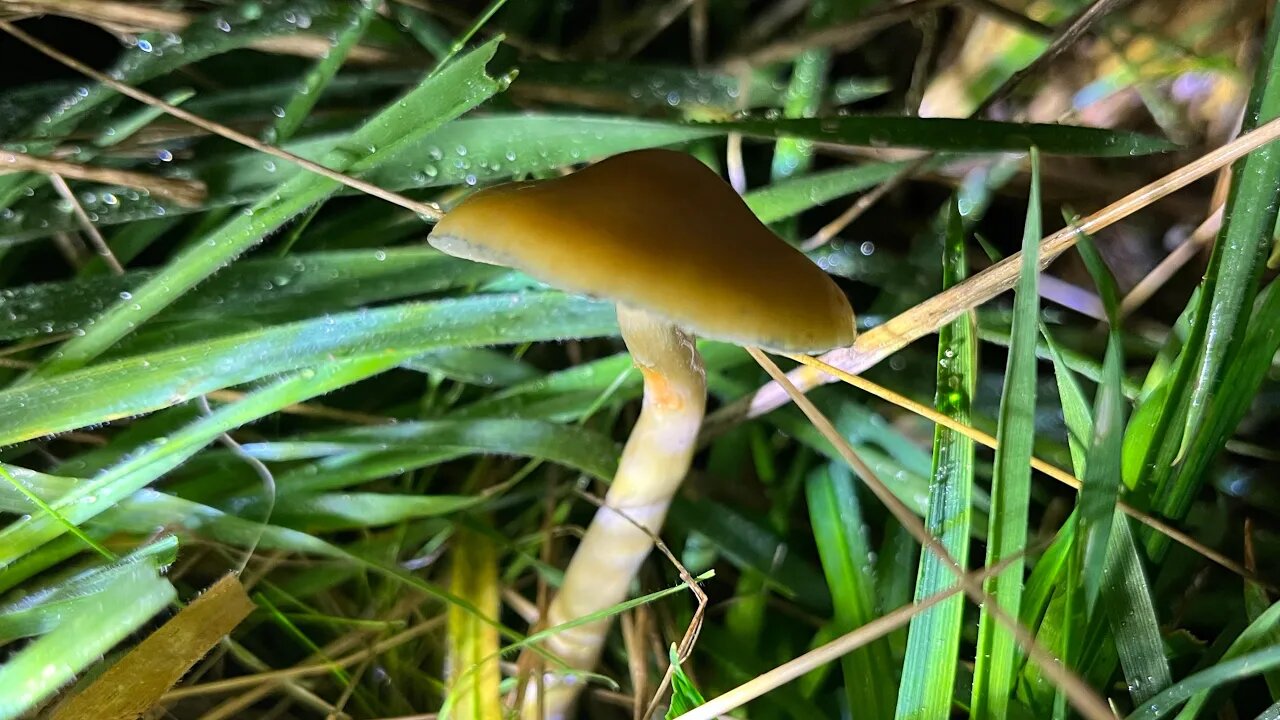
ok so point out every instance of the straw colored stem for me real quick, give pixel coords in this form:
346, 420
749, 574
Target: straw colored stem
653, 464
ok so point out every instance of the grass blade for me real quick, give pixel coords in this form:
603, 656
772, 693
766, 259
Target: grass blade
928, 683
41, 668
1011, 483
1101, 482
432, 103
950, 135
321, 74
1260, 632
257, 291
474, 674
1238, 258
1244, 666
139, 470
253, 20
1126, 597
1220, 313
842, 545
122, 388
684, 694
42, 609
787, 198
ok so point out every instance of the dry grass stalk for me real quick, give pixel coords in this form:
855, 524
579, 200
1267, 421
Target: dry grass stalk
184, 192
136, 683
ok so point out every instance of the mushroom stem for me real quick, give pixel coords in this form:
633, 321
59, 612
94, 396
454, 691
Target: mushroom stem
653, 464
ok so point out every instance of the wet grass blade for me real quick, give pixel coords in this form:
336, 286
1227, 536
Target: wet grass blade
154, 54
641, 85
1220, 312
437, 100
1101, 482
1011, 483
927, 690
38, 670
473, 150
44, 606
321, 74
91, 498
950, 135
839, 532
159, 379
1241, 667
257, 291
1259, 633
1237, 262
1130, 610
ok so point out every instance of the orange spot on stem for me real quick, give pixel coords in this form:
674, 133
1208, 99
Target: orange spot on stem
659, 391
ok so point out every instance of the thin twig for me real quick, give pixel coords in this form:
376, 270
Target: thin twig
95, 237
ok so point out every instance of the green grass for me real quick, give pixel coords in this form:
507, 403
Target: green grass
415, 435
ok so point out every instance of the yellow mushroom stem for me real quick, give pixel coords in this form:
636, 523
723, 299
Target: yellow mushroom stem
653, 464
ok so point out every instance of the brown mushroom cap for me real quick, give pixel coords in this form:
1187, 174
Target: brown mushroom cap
658, 231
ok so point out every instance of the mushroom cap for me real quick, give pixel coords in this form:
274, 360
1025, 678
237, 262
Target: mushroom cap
658, 231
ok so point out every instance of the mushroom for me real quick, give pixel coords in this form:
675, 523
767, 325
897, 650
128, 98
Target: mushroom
679, 252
